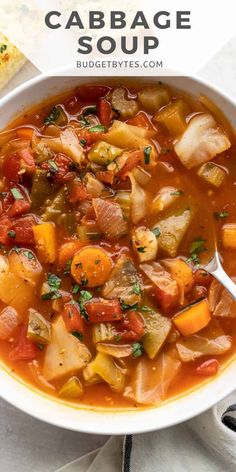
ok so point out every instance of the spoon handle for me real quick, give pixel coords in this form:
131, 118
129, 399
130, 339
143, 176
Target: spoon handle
225, 280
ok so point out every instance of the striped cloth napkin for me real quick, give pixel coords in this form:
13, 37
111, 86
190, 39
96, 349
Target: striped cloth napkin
206, 443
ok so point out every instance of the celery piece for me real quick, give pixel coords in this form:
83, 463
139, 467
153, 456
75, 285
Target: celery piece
173, 117
71, 389
39, 329
212, 174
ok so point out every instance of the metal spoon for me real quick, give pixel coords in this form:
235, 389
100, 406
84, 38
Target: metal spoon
215, 268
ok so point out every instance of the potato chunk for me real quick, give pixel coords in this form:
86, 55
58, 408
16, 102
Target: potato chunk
172, 231
145, 244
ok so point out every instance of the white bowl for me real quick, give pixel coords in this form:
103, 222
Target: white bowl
102, 421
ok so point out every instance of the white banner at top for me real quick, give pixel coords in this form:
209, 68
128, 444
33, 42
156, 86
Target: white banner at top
171, 37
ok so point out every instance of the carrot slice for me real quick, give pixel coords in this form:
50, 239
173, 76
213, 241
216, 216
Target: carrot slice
68, 250
193, 318
91, 266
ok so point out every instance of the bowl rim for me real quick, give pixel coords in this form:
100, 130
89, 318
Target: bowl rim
95, 426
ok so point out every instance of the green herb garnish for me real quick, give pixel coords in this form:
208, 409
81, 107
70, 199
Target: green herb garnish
220, 214
83, 142
141, 249
84, 297
54, 281
137, 349
3, 48
75, 288
147, 152
16, 194
11, 234
52, 295
177, 192
68, 266
156, 231
137, 288
52, 117
145, 308
195, 249
98, 129
78, 335
125, 306
117, 338
52, 165
29, 255
41, 346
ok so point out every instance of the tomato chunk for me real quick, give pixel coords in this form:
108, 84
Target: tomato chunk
104, 112
16, 201
208, 368
131, 328
102, 311
134, 157
25, 350
5, 227
23, 228
105, 176
77, 192
92, 93
141, 120
87, 138
202, 277
11, 168
60, 168
27, 161
72, 318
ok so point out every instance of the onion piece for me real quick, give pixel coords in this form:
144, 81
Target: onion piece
67, 143
25, 264
138, 201
9, 321
94, 186
141, 175
164, 198
39, 378
110, 218
201, 141
115, 350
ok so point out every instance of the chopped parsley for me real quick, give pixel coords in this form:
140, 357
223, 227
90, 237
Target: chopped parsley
52, 165
54, 281
97, 261
125, 307
3, 48
41, 346
52, 117
147, 152
178, 192
196, 248
16, 194
90, 110
29, 255
141, 249
78, 335
98, 129
84, 297
220, 215
117, 338
83, 142
75, 288
68, 266
11, 234
137, 288
137, 349
156, 231
52, 295
84, 282
145, 308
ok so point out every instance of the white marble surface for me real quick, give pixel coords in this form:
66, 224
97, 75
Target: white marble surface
26, 444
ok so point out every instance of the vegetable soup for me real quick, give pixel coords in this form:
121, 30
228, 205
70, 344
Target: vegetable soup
111, 200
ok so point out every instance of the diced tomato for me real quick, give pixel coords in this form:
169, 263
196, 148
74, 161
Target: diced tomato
72, 318
61, 170
89, 138
27, 161
77, 192
14, 206
105, 176
90, 93
11, 167
134, 157
131, 328
5, 227
103, 311
208, 368
105, 112
23, 229
166, 299
202, 277
141, 120
25, 350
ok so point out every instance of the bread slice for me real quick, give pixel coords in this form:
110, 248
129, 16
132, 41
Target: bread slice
11, 60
